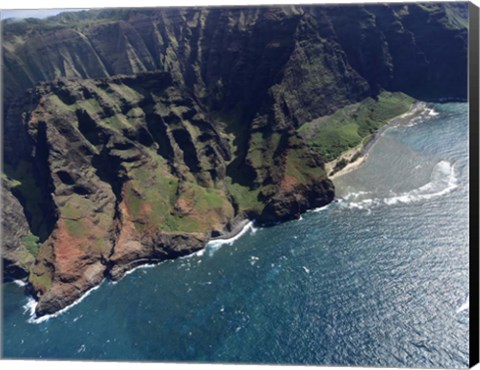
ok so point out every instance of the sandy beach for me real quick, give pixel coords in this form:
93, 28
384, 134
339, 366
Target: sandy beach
357, 156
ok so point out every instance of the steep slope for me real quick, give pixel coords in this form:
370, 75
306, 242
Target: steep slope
158, 129
136, 172
229, 55
19, 246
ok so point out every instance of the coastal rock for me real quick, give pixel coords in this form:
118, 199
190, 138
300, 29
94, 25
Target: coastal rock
63, 294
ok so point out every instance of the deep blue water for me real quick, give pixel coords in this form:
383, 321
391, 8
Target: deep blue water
379, 278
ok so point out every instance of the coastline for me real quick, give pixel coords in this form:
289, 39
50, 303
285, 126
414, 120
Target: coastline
241, 226
356, 156
238, 226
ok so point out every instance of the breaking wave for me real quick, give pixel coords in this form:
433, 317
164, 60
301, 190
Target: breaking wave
29, 308
20, 283
442, 181
214, 245
425, 114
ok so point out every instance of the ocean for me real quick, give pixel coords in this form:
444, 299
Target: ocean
377, 278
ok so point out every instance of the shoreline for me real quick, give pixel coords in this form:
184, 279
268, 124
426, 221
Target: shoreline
240, 228
237, 228
362, 149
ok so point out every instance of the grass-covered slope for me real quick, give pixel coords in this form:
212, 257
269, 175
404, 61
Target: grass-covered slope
352, 125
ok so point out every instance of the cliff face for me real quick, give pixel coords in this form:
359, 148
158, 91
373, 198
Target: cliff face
158, 129
235, 54
134, 170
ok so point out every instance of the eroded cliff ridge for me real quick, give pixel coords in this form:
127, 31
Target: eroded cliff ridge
132, 136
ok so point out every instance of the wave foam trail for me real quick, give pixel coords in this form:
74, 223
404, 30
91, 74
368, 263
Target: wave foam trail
214, 245
442, 181
426, 113
320, 209
432, 112
20, 283
146, 266
29, 307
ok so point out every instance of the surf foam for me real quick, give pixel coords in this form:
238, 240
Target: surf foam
146, 266
20, 283
425, 114
442, 181
214, 245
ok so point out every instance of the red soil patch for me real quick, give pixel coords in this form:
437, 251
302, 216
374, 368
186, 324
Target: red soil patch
66, 247
184, 206
288, 184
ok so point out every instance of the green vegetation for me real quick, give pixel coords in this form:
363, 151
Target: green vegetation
354, 157
244, 196
340, 165
30, 193
350, 126
31, 242
150, 196
297, 167
76, 228
41, 282
132, 135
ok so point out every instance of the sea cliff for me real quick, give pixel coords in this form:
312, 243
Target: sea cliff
134, 136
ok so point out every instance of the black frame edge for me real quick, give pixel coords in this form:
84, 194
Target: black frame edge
473, 99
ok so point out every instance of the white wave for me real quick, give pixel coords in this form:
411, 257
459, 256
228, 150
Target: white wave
20, 283
31, 304
214, 245
432, 112
355, 195
464, 307
426, 113
362, 204
320, 209
29, 307
199, 253
145, 266
306, 269
442, 181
